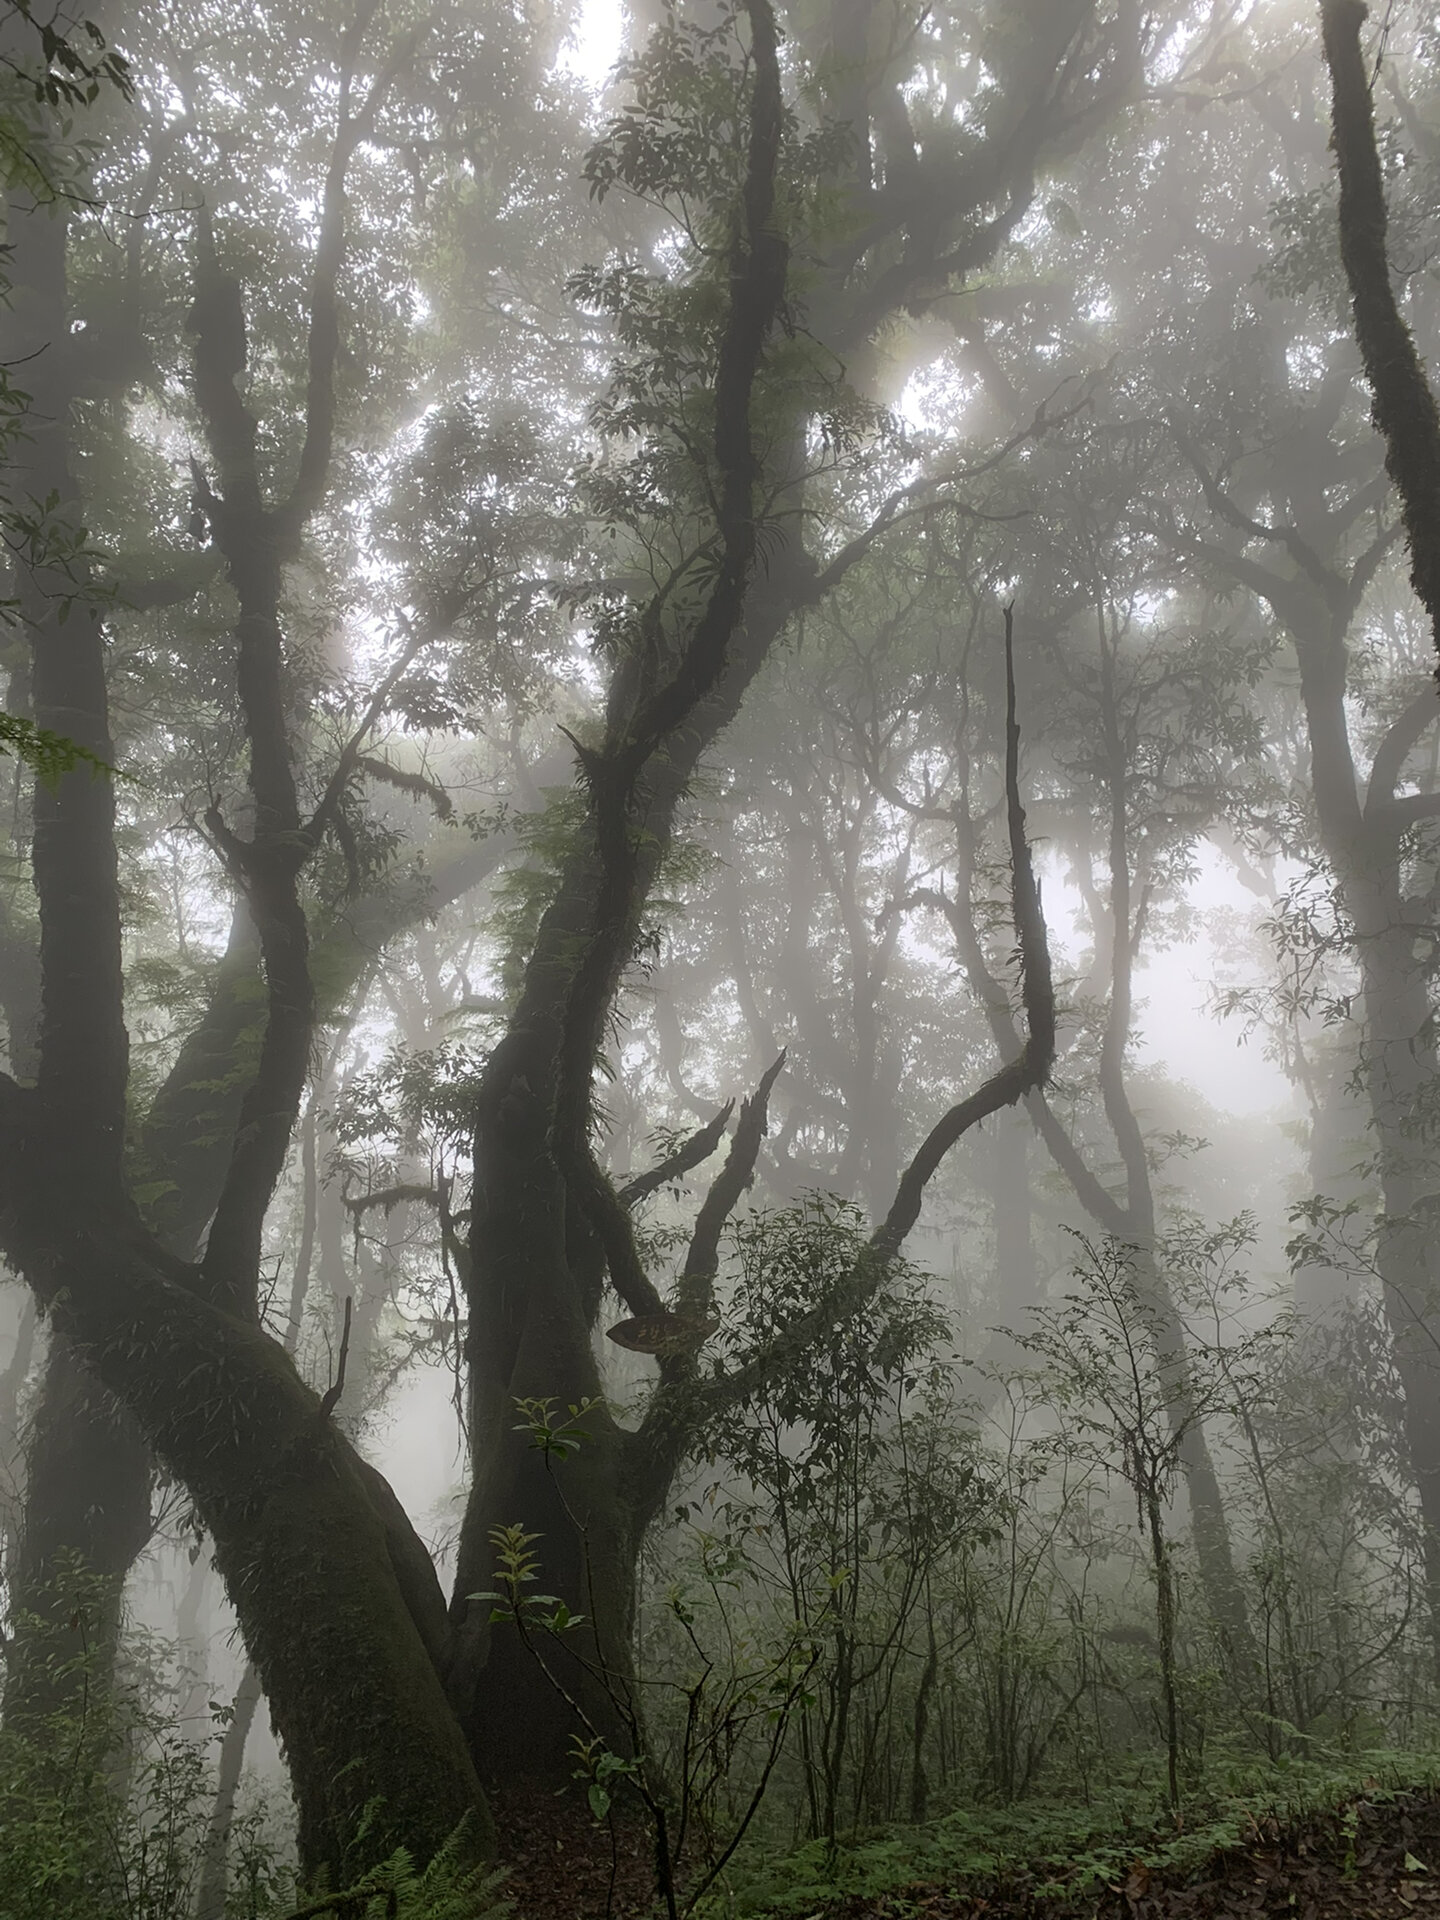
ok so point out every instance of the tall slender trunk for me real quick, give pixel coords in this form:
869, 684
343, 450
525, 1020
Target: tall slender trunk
1401, 1055
87, 1497
214, 1869
1336, 1147
1165, 1633
1400, 1070
1209, 1522
1364, 841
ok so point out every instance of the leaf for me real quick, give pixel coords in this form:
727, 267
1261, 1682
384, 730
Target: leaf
48, 755
1412, 1865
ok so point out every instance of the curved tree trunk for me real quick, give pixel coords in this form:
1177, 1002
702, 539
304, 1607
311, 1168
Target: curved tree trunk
338, 1604
343, 1631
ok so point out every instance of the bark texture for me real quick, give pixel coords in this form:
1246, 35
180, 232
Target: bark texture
1404, 407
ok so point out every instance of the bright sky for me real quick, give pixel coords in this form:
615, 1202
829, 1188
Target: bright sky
595, 43
1174, 1026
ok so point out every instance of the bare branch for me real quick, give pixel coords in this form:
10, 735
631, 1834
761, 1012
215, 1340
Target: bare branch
1029, 1071
331, 1398
703, 1255
690, 1153
616, 1234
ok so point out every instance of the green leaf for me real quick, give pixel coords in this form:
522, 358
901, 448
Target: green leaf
49, 756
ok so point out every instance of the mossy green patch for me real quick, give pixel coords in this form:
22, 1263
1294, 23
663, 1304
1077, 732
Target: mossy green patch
1061, 1849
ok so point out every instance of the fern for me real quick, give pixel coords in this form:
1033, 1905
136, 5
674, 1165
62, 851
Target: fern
451, 1887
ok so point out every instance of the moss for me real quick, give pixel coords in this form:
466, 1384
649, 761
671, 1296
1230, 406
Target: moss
377, 1755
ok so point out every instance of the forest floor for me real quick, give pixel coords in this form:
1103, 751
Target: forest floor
1371, 1860
1368, 1852
562, 1865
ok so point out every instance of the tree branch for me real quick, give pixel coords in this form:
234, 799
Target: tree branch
678, 1412
690, 1153
757, 286
257, 540
353, 751
650, 735
1405, 733
331, 1397
313, 475
1031, 1068
658, 1445
1411, 808
1225, 508
702, 1258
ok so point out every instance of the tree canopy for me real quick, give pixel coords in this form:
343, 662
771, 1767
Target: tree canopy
620, 690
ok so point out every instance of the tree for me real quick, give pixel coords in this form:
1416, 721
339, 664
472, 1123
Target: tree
1404, 406
714, 492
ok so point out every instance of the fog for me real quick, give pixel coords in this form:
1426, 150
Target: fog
718, 1046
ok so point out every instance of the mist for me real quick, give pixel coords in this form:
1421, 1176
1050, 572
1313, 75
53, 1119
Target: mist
718, 959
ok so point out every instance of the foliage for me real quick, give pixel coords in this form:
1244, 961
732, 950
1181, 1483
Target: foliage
49, 756
104, 1806
886, 1583
447, 1888
1056, 1846
49, 76
104, 1811
685, 1787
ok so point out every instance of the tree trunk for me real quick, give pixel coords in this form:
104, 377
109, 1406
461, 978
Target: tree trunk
1400, 1070
1364, 844
214, 1871
535, 1347
539, 1693
345, 1629
87, 1495
86, 1516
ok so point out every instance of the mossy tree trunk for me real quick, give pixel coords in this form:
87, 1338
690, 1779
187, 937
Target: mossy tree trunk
337, 1601
1402, 1061
86, 1508
545, 1229
345, 1631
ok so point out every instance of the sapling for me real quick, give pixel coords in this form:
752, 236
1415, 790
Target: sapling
1104, 1368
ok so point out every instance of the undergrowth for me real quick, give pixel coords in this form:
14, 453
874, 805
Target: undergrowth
107, 1804
1063, 1848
